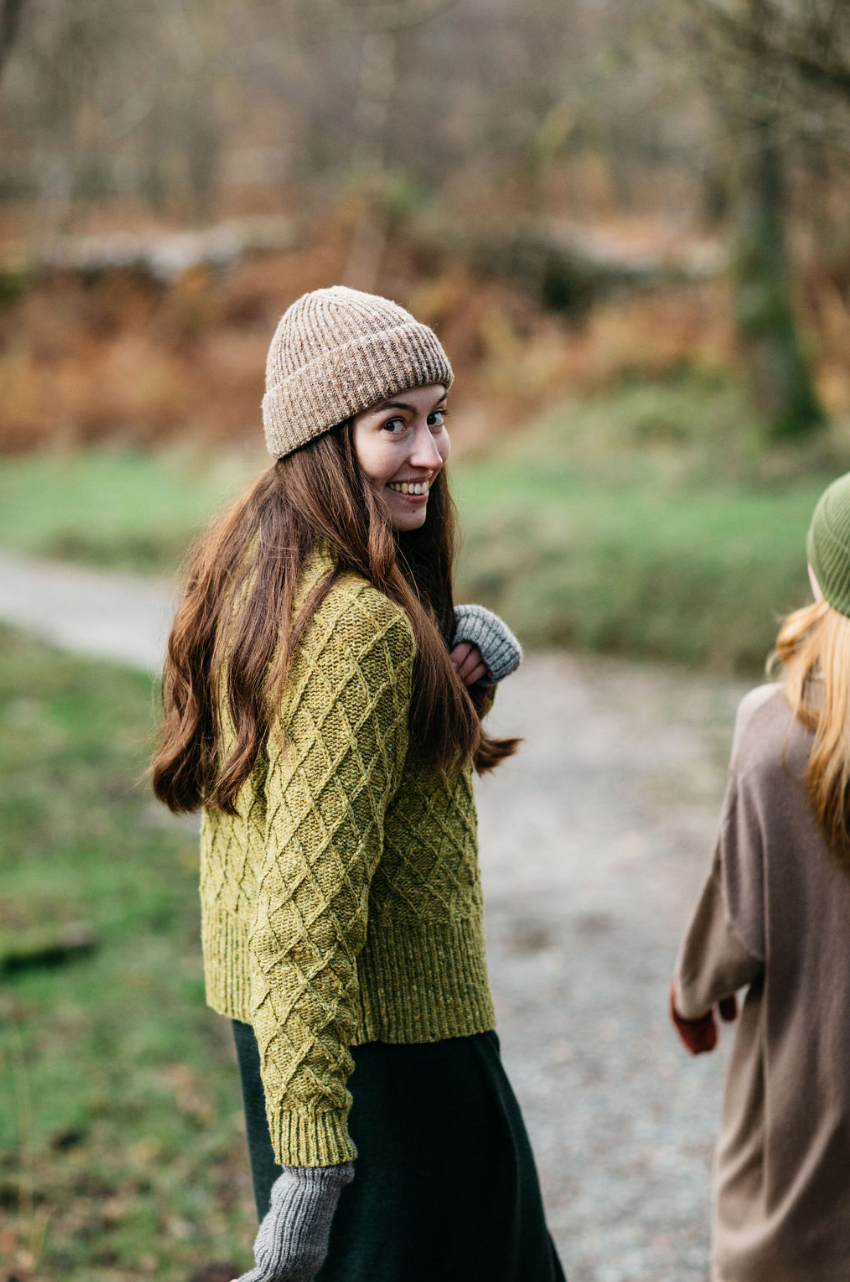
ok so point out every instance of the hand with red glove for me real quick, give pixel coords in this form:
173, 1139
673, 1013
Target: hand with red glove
700, 1035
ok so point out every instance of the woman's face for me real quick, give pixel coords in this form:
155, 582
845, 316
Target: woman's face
401, 445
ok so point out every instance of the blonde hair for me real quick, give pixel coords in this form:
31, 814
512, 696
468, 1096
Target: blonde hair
812, 659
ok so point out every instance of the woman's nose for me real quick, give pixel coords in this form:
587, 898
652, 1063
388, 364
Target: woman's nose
425, 452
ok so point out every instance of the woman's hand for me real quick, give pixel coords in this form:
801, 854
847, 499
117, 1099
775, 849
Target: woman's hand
293, 1239
700, 1035
499, 652
470, 666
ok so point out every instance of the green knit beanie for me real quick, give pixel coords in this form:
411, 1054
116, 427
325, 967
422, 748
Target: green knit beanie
828, 544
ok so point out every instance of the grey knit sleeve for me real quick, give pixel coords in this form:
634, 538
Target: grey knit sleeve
500, 650
293, 1239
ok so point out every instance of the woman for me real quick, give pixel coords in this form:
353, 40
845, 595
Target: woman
323, 703
774, 918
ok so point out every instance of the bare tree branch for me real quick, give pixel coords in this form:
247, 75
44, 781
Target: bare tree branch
10, 21
808, 51
388, 15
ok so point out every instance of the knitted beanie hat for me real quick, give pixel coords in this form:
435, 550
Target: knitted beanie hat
336, 352
828, 544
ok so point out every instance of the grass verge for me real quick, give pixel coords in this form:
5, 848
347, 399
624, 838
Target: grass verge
646, 521
122, 1153
697, 578
125, 509
649, 521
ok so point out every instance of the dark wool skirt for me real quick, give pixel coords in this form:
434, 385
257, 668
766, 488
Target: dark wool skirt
445, 1184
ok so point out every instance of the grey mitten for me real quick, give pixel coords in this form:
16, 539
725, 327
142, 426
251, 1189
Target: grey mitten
293, 1239
500, 650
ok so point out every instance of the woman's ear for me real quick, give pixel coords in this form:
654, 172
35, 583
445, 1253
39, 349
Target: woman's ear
815, 584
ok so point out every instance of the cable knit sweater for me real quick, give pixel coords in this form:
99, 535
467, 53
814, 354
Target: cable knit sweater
342, 903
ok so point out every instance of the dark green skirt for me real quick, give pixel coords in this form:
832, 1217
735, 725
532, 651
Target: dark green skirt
445, 1184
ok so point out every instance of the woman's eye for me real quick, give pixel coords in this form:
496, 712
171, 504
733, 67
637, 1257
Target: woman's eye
395, 426
437, 419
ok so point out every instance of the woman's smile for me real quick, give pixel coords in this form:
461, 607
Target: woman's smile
413, 491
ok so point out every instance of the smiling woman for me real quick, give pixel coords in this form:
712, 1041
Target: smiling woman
401, 446
323, 703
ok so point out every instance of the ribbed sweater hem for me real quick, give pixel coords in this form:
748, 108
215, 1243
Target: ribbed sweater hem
418, 983
226, 971
423, 983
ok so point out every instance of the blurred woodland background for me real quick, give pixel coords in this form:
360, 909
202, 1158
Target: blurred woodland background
629, 222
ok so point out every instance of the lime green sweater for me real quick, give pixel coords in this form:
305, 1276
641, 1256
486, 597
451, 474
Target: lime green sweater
342, 904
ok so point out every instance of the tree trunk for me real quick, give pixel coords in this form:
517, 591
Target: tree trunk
781, 387
10, 21
377, 85
203, 153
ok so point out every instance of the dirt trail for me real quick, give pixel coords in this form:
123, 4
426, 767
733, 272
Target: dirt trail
593, 842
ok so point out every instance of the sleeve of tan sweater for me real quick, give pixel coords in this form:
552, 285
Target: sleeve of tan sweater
327, 788
723, 948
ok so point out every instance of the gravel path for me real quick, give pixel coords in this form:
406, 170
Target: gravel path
109, 616
594, 840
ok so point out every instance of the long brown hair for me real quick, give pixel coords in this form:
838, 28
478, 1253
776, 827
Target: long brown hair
230, 642
813, 655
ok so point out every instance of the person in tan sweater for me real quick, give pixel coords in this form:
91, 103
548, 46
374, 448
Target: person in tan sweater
323, 705
773, 919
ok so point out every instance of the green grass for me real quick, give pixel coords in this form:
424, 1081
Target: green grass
647, 520
121, 1150
694, 577
115, 507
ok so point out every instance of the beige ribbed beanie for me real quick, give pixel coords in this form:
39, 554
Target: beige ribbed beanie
336, 352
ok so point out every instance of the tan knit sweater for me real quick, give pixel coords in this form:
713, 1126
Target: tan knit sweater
342, 904
774, 918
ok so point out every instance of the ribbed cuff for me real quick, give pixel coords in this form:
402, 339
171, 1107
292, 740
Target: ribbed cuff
309, 1139
500, 650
